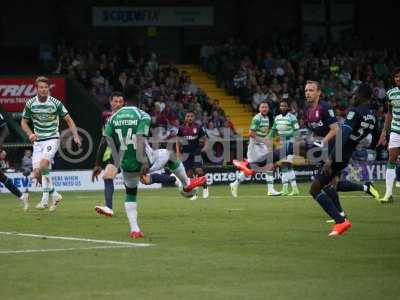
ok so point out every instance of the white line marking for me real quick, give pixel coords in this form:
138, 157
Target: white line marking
59, 249
277, 197
66, 238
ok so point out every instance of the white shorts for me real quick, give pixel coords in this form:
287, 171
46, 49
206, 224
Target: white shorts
158, 159
44, 150
394, 140
257, 153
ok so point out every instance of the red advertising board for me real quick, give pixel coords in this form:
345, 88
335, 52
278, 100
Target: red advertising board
15, 91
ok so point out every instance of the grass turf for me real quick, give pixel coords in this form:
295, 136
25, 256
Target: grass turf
252, 247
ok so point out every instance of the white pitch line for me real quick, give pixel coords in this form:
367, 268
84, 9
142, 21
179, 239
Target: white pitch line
59, 249
277, 197
66, 238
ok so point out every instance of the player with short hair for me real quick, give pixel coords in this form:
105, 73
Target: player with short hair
321, 120
360, 122
259, 155
45, 112
127, 130
188, 143
104, 159
286, 127
24, 197
392, 126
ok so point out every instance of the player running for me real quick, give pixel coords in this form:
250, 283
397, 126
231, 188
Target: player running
104, 159
188, 149
128, 127
286, 127
24, 197
44, 111
321, 120
259, 154
360, 122
392, 125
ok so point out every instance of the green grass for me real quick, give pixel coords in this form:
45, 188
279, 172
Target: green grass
253, 247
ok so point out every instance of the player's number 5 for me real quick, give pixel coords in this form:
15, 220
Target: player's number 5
130, 139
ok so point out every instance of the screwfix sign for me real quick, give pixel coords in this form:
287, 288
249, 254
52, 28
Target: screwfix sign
15, 91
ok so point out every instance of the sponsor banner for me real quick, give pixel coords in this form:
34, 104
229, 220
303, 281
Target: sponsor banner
224, 175
15, 91
153, 16
356, 171
365, 171
69, 181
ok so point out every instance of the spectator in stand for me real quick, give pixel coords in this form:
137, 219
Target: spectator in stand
216, 119
120, 82
4, 164
26, 161
214, 135
258, 97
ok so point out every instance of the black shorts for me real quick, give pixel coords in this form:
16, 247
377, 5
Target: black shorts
337, 168
193, 161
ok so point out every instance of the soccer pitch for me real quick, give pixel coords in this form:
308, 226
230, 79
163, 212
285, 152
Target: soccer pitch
252, 247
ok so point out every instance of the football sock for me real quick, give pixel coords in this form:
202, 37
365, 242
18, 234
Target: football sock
47, 185
131, 212
270, 180
108, 192
9, 185
390, 177
240, 178
327, 205
285, 179
180, 172
348, 186
292, 179
332, 193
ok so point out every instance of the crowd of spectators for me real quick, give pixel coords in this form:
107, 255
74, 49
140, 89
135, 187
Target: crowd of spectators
167, 93
267, 70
